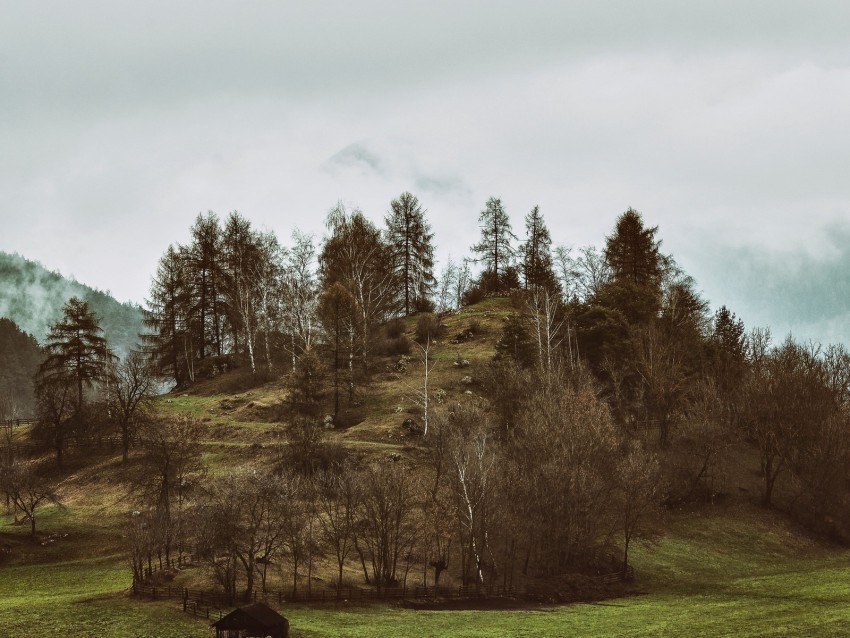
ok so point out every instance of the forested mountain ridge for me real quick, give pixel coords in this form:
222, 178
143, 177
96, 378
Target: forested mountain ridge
32, 296
20, 356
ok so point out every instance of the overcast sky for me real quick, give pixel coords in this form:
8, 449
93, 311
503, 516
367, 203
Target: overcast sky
727, 124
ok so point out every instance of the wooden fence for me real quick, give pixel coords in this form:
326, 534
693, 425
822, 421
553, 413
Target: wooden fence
208, 604
17, 423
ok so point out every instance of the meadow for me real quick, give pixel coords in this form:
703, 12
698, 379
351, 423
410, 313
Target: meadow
731, 570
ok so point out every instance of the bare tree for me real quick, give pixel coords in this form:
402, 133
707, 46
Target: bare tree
170, 468
547, 320
446, 297
387, 529
56, 401
300, 296
421, 395
28, 489
338, 501
639, 496
133, 386
471, 456
244, 516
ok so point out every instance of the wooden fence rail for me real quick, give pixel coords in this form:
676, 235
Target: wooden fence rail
207, 603
17, 423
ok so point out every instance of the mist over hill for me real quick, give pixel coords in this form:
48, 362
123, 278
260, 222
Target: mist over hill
33, 296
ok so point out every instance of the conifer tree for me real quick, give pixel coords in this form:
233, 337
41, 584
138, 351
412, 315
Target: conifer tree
169, 342
537, 253
204, 276
76, 348
495, 248
633, 252
409, 238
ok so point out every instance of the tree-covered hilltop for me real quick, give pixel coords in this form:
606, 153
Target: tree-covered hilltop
32, 297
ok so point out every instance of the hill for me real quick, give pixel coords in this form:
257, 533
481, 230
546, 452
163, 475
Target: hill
32, 296
731, 568
20, 357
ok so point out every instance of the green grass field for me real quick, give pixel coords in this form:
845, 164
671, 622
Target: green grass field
726, 571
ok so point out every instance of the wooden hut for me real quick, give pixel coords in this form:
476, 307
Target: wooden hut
253, 621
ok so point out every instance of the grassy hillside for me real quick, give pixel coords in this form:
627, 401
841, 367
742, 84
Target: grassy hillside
729, 569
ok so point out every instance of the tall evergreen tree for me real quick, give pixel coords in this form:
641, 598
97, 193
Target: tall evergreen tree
537, 253
633, 252
409, 238
76, 348
495, 248
169, 342
238, 255
205, 279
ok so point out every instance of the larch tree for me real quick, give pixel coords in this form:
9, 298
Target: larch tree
536, 254
76, 349
409, 237
205, 280
495, 250
169, 342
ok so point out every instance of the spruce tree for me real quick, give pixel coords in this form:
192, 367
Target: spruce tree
632, 252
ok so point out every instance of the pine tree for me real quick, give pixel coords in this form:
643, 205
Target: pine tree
409, 238
495, 246
537, 254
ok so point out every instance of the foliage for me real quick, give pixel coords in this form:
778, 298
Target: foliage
409, 238
21, 357
536, 254
427, 327
495, 250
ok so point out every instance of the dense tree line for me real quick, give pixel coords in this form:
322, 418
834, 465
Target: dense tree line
614, 392
20, 357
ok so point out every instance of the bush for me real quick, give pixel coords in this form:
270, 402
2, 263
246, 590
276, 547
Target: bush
427, 326
394, 328
423, 304
396, 347
474, 295
309, 451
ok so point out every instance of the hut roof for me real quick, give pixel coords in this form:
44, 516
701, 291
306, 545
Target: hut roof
258, 614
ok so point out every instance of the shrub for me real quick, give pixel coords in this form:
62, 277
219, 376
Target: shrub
427, 327
396, 347
394, 328
474, 295
423, 304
